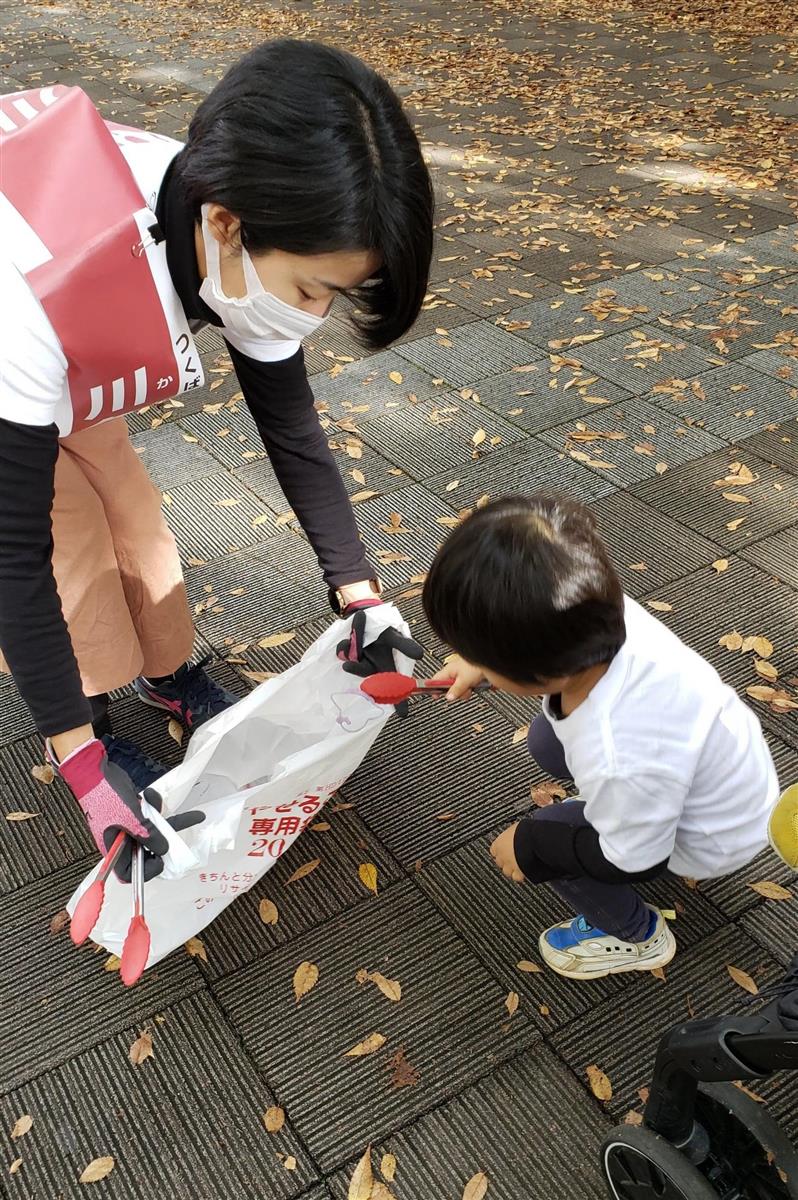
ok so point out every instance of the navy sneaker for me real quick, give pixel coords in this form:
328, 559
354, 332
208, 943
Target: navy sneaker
138, 766
190, 695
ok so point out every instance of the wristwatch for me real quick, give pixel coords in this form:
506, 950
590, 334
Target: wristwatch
338, 603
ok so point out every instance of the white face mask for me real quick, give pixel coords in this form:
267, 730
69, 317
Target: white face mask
258, 314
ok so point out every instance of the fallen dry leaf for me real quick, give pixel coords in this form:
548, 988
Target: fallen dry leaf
732, 525
306, 976
721, 564
141, 1049
388, 1167
511, 1002
403, 1073
358, 477
196, 948
760, 691
761, 645
660, 605
277, 639
369, 1045
600, 1084
731, 641
267, 911
43, 773
765, 669
743, 980
737, 497
22, 1125
289, 1163
477, 1187
98, 1169
302, 871
60, 921
175, 731
633, 1118
479, 437
362, 1181
112, 963
368, 876
391, 988
16, 1164
772, 891
546, 793
274, 1119
396, 377
21, 816
528, 967
641, 566
520, 735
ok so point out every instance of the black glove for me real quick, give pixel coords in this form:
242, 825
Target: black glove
378, 656
153, 863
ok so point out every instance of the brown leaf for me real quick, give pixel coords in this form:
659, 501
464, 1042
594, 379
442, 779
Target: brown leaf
731, 641
141, 1049
289, 1162
175, 730
633, 1118
771, 891
228, 502
721, 564
274, 1119
763, 646
369, 1045
737, 497
660, 605
661, 468
658, 973
306, 976
358, 497
528, 967
16, 1164
477, 1187
98, 1168
277, 639
450, 487
43, 773
358, 477
388, 1167
196, 948
479, 437
600, 1084
267, 911
362, 1181
511, 1002
641, 566
520, 735
302, 871
22, 1125
732, 525
59, 921
368, 876
259, 676
743, 980
546, 793
765, 669
760, 691
112, 963
391, 988
21, 816
396, 377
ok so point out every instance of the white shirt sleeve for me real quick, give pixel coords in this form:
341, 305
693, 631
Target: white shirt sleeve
636, 819
33, 367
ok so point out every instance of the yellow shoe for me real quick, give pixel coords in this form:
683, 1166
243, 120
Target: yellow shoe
783, 827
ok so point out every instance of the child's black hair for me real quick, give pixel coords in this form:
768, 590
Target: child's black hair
313, 152
525, 588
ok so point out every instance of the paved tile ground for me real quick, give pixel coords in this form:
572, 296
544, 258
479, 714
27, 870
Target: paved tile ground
617, 254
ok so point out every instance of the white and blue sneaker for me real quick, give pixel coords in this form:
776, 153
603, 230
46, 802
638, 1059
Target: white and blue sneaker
578, 950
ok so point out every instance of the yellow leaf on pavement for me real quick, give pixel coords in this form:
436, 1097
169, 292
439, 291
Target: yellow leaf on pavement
772, 891
141, 1049
600, 1084
743, 980
274, 1119
362, 1181
97, 1169
276, 639
196, 948
306, 976
302, 871
368, 876
22, 1125
477, 1187
369, 1045
267, 911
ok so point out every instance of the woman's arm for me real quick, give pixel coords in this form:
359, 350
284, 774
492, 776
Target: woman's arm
281, 402
33, 634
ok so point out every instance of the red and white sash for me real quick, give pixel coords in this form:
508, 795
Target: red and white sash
77, 227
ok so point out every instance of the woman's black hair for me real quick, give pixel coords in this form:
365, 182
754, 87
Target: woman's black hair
525, 588
313, 152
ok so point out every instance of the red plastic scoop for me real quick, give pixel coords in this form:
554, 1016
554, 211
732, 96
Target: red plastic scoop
89, 906
136, 949
389, 687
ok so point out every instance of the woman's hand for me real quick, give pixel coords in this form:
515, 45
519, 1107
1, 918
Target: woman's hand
503, 855
465, 677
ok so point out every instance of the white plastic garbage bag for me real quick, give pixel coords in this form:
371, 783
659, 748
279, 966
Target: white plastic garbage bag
260, 771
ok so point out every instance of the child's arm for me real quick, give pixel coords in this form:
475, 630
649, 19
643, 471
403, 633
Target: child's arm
465, 677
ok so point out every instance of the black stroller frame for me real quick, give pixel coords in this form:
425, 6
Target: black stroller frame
702, 1138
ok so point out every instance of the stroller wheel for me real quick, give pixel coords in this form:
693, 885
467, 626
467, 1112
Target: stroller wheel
639, 1164
748, 1150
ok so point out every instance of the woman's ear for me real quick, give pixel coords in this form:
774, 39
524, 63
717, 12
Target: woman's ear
225, 227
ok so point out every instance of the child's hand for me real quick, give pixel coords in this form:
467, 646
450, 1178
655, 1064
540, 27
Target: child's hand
465, 677
504, 856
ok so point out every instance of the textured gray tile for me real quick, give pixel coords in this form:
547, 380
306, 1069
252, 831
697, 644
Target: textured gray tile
55, 836
779, 361
734, 218
635, 534
433, 782
215, 516
438, 434
491, 290
642, 357
732, 267
229, 434
697, 984
368, 383
17, 720
732, 327
532, 467
473, 352
778, 555
777, 445
417, 539
170, 460
647, 441
57, 1000
451, 1023
489, 1128
199, 1095
693, 494
732, 402
774, 925
732, 895
547, 393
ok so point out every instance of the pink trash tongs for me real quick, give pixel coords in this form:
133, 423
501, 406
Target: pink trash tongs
136, 949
